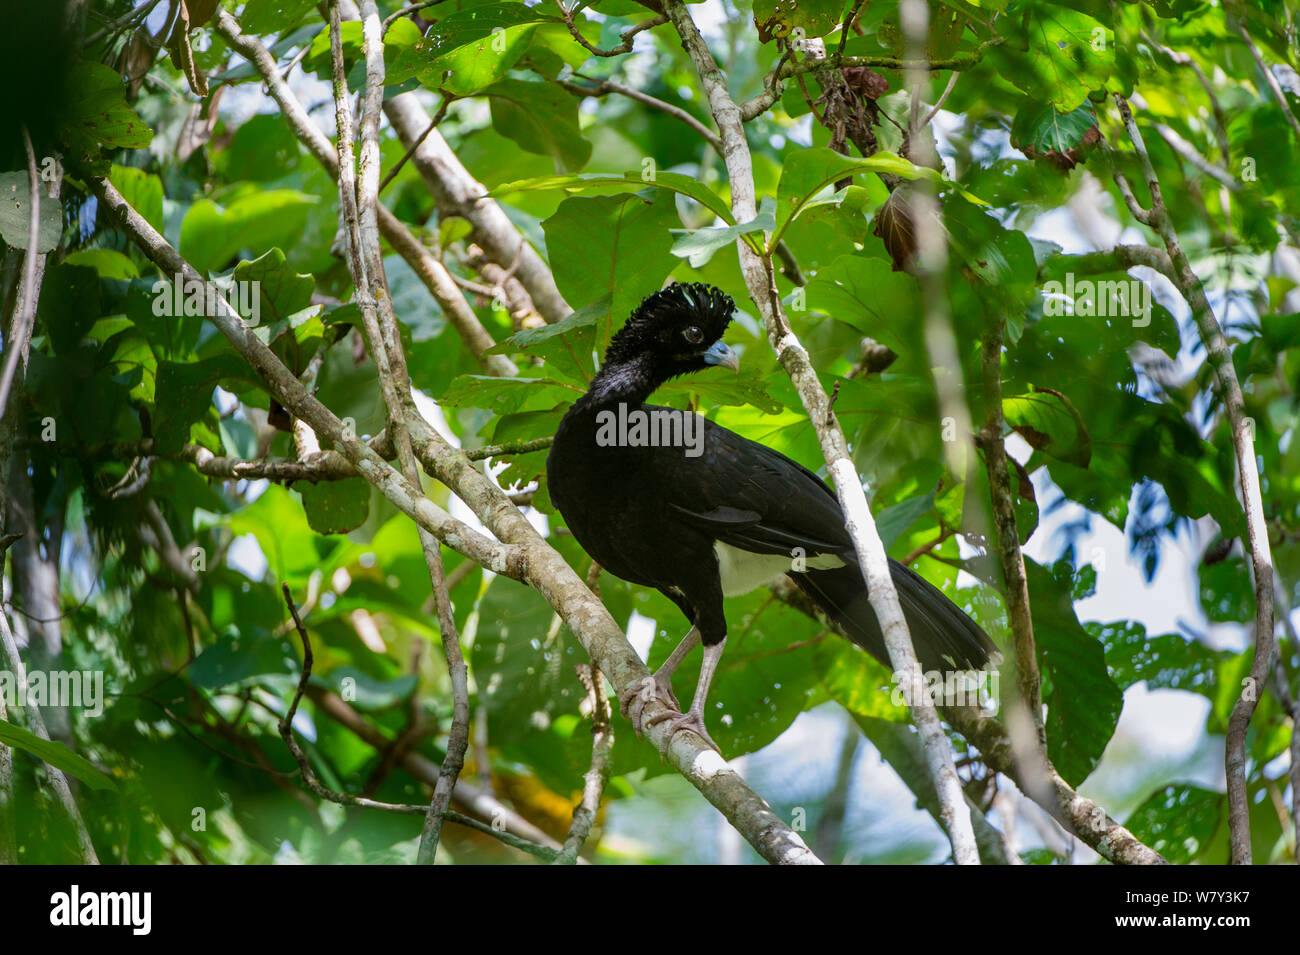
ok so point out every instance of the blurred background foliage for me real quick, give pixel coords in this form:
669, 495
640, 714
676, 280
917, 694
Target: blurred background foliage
1125, 472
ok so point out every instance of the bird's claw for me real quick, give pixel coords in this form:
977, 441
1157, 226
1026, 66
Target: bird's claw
677, 722
632, 703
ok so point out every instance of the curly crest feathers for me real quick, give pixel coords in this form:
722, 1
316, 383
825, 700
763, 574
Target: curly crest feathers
661, 314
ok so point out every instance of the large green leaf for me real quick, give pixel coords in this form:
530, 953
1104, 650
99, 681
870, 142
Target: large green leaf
1083, 702
541, 118
618, 246
57, 755
565, 345
1178, 821
870, 296
16, 213
813, 18
183, 395
699, 245
335, 507
1067, 55
99, 115
214, 232
672, 181
507, 395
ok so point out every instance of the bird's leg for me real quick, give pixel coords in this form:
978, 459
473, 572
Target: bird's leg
659, 686
693, 719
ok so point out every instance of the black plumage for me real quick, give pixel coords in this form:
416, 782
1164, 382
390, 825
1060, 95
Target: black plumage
714, 512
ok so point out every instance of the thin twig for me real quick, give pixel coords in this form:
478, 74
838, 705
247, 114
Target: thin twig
602, 745
407, 11
628, 36
605, 87
438, 117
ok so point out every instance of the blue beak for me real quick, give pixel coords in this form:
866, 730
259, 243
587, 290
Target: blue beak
720, 354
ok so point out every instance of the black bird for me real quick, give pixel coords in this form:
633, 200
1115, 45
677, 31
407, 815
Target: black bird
708, 513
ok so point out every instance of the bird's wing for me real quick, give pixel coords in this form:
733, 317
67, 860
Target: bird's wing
747, 495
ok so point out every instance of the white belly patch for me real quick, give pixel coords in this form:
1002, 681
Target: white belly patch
743, 571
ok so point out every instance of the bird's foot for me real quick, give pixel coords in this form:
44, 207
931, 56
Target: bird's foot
692, 720
633, 702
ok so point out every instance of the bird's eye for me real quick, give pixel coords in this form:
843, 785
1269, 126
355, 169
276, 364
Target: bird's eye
693, 334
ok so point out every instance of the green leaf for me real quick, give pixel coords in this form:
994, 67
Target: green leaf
281, 290
897, 518
262, 149
99, 115
868, 295
277, 522
183, 395
698, 246
16, 214
1168, 661
1226, 592
213, 233
672, 181
1039, 130
366, 692
541, 118
858, 681
507, 395
273, 16
715, 392
1083, 702
566, 346
335, 507
618, 246
237, 657
1178, 821
1069, 54
780, 18
57, 755
1050, 423
524, 668
469, 49
109, 263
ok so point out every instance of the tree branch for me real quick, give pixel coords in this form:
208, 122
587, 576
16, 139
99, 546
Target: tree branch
1219, 355
628, 36
760, 280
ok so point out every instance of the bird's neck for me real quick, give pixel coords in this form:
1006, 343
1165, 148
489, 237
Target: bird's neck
628, 382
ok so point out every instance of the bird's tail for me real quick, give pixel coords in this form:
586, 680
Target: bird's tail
945, 638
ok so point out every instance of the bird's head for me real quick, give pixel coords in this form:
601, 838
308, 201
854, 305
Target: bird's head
680, 329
